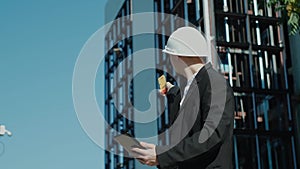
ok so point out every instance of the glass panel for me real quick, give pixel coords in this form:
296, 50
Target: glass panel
240, 73
265, 70
245, 147
243, 118
276, 152
272, 113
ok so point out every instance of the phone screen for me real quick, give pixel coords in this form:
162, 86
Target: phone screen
162, 83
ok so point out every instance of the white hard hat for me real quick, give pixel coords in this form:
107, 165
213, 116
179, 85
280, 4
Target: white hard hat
187, 41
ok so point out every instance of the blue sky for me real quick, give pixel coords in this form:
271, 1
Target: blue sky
39, 44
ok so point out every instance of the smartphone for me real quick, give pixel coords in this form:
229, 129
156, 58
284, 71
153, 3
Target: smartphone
162, 84
128, 142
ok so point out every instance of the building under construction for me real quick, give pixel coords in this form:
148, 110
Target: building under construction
254, 54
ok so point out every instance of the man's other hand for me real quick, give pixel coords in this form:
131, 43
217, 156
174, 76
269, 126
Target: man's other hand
147, 155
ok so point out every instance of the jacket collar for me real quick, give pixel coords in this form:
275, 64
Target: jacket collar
194, 87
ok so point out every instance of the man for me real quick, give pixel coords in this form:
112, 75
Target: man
202, 119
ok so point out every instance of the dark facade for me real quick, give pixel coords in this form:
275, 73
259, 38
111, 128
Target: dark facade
119, 87
254, 58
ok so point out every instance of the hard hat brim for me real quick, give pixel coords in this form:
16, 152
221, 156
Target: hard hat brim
178, 54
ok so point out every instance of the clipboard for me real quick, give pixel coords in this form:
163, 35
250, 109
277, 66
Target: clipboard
128, 142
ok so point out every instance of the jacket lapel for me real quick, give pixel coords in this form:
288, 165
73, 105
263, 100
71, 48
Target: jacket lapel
192, 89
194, 86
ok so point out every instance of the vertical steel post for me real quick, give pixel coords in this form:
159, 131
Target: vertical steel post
248, 27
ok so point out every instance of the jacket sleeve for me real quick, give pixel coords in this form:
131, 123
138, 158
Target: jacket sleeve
173, 98
190, 148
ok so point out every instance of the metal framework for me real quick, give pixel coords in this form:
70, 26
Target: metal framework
250, 44
119, 87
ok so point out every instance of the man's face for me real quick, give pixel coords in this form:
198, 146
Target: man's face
178, 64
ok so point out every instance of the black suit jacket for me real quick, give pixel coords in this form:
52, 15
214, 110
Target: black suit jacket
189, 152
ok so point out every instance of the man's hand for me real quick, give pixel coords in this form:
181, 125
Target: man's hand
147, 155
168, 87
